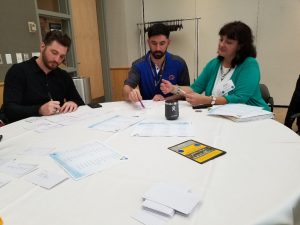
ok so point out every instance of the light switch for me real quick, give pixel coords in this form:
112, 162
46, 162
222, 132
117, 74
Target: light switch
8, 58
31, 27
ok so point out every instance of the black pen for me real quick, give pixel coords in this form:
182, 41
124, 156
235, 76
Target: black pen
1, 136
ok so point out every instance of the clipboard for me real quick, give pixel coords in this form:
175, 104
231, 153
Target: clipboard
197, 151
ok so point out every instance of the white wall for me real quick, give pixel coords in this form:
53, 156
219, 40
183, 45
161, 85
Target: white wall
275, 24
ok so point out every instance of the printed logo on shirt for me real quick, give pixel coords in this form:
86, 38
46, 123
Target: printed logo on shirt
171, 77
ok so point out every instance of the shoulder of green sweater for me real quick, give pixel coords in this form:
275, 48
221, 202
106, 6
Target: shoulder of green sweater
213, 62
250, 60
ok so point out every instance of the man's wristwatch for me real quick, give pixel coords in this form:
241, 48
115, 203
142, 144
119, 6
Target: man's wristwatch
213, 100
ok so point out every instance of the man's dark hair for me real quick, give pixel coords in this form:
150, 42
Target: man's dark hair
242, 33
58, 36
158, 29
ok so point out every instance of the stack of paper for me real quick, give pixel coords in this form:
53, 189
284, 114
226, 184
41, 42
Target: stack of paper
240, 112
162, 201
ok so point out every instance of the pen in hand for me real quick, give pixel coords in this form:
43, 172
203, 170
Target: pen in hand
142, 103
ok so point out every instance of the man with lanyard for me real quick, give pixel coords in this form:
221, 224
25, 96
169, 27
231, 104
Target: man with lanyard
146, 73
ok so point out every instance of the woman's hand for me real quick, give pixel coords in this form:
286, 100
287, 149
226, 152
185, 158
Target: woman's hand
166, 86
196, 99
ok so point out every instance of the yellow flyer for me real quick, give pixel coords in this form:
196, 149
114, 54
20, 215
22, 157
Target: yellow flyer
197, 151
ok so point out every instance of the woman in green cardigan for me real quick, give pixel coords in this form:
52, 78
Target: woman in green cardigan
232, 77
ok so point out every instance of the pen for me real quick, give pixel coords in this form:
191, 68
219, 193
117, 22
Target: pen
1, 136
141, 103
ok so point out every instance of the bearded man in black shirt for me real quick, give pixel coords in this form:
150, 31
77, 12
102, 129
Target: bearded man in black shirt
38, 87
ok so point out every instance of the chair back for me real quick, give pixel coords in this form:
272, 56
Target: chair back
266, 95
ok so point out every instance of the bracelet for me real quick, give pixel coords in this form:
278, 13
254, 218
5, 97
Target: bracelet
213, 100
176, 91
179, 91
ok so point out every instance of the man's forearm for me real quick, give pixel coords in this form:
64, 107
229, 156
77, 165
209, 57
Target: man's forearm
126, 90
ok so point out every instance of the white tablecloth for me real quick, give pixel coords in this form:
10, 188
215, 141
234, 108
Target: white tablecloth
256, 182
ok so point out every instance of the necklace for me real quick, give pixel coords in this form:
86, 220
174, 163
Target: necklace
223, 74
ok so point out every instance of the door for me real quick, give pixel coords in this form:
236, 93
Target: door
86, 38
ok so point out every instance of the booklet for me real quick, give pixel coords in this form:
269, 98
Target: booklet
197, 151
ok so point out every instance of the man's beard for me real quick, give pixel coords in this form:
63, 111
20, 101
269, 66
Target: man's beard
51, 65
158, 54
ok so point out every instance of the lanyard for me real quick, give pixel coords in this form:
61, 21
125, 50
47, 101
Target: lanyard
157, 76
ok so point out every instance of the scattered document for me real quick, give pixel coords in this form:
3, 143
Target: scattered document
46, 179
16, 169
150, 218
40, 124
164, 129
3, 181
87, 159
240, 112
115, 123
36, 151
159, 208
161, 202
173, 197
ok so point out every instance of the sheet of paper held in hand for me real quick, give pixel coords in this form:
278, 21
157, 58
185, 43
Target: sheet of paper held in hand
87, 159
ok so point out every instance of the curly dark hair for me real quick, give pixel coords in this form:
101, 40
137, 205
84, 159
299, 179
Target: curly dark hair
58, 36
241, 32
158, 29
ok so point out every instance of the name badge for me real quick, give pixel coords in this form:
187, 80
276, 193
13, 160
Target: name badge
228, 86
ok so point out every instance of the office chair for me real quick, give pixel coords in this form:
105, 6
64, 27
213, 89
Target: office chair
294, 108
266, 96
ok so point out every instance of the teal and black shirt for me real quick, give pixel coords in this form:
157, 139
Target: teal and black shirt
246, 78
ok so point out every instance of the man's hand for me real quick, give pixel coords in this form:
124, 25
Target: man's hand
135, 95
68, 107
158, 97
49, 108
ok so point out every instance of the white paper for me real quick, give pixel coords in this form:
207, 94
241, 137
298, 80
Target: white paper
115, 123
36, 151
3, 181
240, 111
16, 169
163, 129
8, 58
19, 57
37, 54
158, 207
87, 159
173, 197
46, 179
150, 218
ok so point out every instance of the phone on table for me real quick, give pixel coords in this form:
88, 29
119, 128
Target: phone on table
94, 105
202, 106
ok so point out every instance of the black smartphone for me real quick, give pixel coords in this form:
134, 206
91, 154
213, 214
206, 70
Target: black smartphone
94, 105
202, 106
